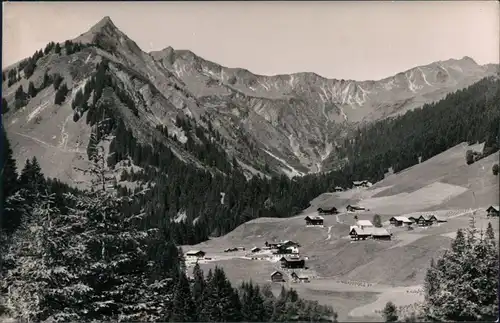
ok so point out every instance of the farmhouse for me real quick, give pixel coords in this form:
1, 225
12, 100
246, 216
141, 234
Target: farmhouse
358, 233
292, 262
284, 250
353, 208
364, 224
338, 189
314, 221
272, 245
436, 219
288, 243
363, 183
255, 249
493, 211
424, 221
277, 277
380, 234
327, 209
413, 219
194, 255
398, 221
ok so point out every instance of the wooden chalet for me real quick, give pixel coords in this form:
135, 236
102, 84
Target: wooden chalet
327, 209
423, 221
364, 224
272, 245
493, 210
436, 219
277, 277
288, 243
354, 208
413, 219
380, 234
398, 221
314, 220
358, 233
292, 262
363, 183
195, 255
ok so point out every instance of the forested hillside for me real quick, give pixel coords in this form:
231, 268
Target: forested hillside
70, 255
469, 115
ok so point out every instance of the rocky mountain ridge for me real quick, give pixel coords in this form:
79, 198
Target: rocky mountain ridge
283, 123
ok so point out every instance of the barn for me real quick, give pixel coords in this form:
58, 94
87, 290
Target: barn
364, 224
380, 234
493, 210
292, 262
195, 255
398, 221
327, 209
277, 277
354, 208
314, 221
424, 221
358, 233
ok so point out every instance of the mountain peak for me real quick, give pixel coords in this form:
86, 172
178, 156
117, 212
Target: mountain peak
103, 23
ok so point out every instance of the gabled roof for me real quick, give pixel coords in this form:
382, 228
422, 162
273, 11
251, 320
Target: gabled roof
360, 231
255, 248
364, 223
327, 207
314, 217
291, 259
494, 207
403, 219
194, 252
355, 207
380, 232
276, 272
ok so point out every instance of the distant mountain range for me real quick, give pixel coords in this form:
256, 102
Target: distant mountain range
284, 123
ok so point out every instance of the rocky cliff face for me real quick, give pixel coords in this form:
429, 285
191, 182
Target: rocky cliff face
291, 123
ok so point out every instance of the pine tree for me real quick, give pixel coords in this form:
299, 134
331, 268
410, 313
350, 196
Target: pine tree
184, 309
464, 283
57, 49
5, 106
390, 312
10, 219
120, 266
28, 280
221, 301
32, 90
198, 288
377, 221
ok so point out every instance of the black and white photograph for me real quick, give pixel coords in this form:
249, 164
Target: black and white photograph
250, 161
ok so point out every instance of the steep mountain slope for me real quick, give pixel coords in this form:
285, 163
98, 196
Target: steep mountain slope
283, 123
307, 112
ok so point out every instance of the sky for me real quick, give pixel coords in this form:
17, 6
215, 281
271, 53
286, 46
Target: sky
343, 40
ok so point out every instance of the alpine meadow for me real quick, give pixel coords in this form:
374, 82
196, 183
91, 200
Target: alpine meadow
161, 186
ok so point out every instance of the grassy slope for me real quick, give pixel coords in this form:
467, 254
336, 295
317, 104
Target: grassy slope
387, 264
